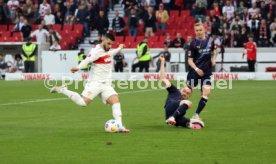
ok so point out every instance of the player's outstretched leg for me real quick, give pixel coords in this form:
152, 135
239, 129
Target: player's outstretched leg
206, 90
116, 111
74, 96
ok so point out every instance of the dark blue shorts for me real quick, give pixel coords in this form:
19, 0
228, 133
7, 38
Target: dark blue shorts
193, 79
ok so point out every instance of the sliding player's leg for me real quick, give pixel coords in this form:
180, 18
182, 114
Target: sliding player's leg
179, 112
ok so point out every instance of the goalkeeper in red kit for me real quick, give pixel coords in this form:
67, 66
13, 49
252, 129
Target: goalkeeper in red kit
250, 49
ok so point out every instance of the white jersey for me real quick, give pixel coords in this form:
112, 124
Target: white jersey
101, 60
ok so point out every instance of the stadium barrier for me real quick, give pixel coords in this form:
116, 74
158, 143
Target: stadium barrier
61, 61
139, 76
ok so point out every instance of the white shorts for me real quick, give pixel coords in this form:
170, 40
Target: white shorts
101, 89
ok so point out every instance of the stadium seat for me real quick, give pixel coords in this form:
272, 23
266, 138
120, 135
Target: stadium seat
11, 27
34, 27
185, 12
129, 39
3, 27
67, 27
57, 27
5, 34
139, 39
174, 13
153, 39
18, 36
120, 39
171, 32
157, 45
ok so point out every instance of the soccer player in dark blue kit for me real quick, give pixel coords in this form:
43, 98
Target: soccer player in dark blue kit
177, 103
201, 58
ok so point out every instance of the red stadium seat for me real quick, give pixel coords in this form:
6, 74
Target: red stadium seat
185, 12
18, 36
67, 27
129, 39
3, 27
153, 39
119, 39
34, 27
57, 27
11, 27
139, 39
6, 34
174, 13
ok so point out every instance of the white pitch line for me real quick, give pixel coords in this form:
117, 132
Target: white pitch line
57, 99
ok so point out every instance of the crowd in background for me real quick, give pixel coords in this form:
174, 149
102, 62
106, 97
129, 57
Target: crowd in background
233, 20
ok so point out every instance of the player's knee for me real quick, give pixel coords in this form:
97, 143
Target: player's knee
206, 90
113, 99
187, 102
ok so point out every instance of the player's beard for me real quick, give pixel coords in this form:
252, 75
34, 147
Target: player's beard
105, 48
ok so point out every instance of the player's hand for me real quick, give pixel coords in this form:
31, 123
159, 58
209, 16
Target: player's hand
200, 72
74, 69
121, 46
162, 58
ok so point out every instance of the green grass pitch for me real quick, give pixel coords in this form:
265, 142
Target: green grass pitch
240, 127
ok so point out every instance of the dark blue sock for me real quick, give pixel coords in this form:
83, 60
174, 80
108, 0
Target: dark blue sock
180, 111
201, 105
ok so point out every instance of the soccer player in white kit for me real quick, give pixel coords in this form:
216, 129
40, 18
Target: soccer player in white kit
101, 81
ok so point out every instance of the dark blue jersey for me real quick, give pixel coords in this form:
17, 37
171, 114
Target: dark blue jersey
200, 51
172, 102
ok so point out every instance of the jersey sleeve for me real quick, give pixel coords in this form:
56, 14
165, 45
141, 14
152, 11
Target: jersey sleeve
172, 89
93, 55
191, 50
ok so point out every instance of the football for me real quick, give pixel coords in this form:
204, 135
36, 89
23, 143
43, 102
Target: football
111, 126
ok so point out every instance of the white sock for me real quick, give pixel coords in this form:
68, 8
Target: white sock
117, 113
74, 96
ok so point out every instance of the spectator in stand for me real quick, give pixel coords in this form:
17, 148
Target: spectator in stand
245, 15
83, 17
232, 39
240, 9
253, 25
18, 65
178, 42
215, 26
18, 26
55, 46
243, 37
250, 49
4, 12
253, 10
59, 19
236, 24
70, 19
167, 4
168, 42
273, 37
186, 49
199, 12
44, 26
167, 56
133, 23
43, 7
94, 10
188, 4
162, 17
70, 8
207, 25
229, 10
264, 35
30, 10
273, 24
54, 36
13, 6
264, 10
26, 30
216, 9
150, 22
258, 14
49, 18
203, 3
118, 24
102, 23
40, 34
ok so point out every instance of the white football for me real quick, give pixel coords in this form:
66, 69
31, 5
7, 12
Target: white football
111, 126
